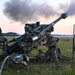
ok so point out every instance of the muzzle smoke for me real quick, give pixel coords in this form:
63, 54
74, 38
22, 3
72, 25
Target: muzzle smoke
25, 10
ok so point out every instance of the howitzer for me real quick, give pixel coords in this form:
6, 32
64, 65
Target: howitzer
35, 35
26, 42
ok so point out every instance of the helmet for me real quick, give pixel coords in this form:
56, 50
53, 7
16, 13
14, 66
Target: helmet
48, 35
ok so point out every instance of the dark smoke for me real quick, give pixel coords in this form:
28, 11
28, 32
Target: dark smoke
25, 10
71, 9
63, 8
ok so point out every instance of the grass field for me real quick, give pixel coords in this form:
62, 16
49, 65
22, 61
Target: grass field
64, 68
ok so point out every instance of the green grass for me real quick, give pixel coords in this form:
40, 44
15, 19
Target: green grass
43, 69
64, 68
65, 45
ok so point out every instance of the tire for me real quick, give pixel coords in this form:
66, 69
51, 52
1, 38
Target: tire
58, 52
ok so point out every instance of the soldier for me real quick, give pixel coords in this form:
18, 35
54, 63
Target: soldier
0, 31
51, 44
3, 44
0, 37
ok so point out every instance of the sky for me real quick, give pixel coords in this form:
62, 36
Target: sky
15, 13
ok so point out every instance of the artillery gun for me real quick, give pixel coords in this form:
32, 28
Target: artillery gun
21, 46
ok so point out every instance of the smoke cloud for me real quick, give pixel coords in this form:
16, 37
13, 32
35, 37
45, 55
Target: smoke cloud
25, 10
71, 9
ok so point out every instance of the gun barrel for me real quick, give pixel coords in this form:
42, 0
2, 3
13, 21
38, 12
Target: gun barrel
63, 16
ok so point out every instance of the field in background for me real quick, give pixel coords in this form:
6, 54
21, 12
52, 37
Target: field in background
64, 68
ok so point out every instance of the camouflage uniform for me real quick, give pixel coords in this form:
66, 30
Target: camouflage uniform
0, 31
51, 44
1, 38
3, 42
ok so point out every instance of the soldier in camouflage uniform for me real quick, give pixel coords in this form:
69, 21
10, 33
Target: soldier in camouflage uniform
3, 45
51, 44
0, 31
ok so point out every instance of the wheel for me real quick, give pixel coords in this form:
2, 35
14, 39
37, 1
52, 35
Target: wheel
58, 51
